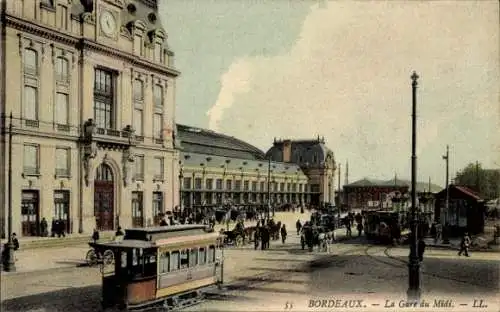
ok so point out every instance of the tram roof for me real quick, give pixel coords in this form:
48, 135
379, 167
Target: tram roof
168, 228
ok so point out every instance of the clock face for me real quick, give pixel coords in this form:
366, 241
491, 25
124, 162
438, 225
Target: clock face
108, 23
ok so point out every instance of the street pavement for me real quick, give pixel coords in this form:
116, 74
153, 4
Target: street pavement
287, 278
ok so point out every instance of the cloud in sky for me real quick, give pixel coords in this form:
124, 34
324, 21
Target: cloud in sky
347, 78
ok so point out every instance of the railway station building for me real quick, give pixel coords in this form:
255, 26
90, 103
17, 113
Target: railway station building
217, 169
90, 85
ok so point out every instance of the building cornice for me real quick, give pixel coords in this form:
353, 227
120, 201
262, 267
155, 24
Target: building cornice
82, 43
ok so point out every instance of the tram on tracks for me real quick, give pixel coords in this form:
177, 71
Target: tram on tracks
169, 266
385, 226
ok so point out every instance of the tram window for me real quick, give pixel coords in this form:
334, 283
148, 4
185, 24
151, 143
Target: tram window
184, 259
164, 262
211, 254
202, 258
174, 261
193, 257
124, 259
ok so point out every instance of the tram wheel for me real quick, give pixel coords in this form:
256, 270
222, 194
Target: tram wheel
91, 258
108, 257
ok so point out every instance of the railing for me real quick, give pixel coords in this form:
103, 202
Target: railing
63, 128
62, 172
31, 123
31, 170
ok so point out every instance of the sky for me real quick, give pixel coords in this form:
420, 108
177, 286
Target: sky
297, 69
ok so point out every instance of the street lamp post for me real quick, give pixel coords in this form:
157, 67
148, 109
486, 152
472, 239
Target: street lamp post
10, 263
269, 188
447, 200
413, 292
181, 176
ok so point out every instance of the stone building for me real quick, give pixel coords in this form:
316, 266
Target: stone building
315, 160
217, 169
90, 85
383, 194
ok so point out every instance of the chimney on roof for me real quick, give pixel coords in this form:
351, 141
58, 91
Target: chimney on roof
287, 151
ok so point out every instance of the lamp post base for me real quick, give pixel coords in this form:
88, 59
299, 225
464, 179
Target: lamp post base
9, 261
413, 293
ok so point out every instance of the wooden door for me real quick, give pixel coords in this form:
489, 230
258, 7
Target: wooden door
104, 198
137, 209
30, 213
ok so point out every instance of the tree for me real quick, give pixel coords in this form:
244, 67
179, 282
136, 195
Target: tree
486, 182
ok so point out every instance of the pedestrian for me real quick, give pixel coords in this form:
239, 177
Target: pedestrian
119, 234
464, 245
283, 234
15, 242
360, 229
44, 228
95, 235
298, 225
256, 237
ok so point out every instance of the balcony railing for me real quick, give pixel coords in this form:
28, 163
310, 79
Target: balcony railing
31, 170
62, 172
62, 128
32, 123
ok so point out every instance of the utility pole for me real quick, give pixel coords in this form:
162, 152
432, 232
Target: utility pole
339, 201
269, 188
413, 292
478, 187
447, 201
10, 264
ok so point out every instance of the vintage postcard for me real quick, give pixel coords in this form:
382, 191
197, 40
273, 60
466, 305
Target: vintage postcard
249, 155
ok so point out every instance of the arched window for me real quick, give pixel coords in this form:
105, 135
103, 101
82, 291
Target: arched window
62, 69
30, 62
104, 173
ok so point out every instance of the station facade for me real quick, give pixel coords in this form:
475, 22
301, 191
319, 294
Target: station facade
90, 87
217, 169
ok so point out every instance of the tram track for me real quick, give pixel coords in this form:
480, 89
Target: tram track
403, 263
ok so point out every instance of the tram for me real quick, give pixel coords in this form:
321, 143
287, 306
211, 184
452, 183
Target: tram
384, 226
170, 266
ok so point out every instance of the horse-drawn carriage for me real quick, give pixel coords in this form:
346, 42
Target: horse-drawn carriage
239, 236
99, 254
311, 235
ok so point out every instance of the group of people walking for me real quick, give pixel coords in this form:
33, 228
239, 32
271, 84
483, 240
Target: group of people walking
265, 231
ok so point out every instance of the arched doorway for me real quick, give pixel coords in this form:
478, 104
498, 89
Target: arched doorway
103, 198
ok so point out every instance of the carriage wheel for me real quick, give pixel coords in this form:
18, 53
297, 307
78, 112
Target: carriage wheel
239, 241
91, 257
108, 257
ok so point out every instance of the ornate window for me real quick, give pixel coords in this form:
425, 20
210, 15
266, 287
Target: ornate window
138, 121
62, 162
103, 99
62, 108
157, 126
158, 95
62, 69
31, 62
138, 91
158, 168
30, 110
139, 168
31, 161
